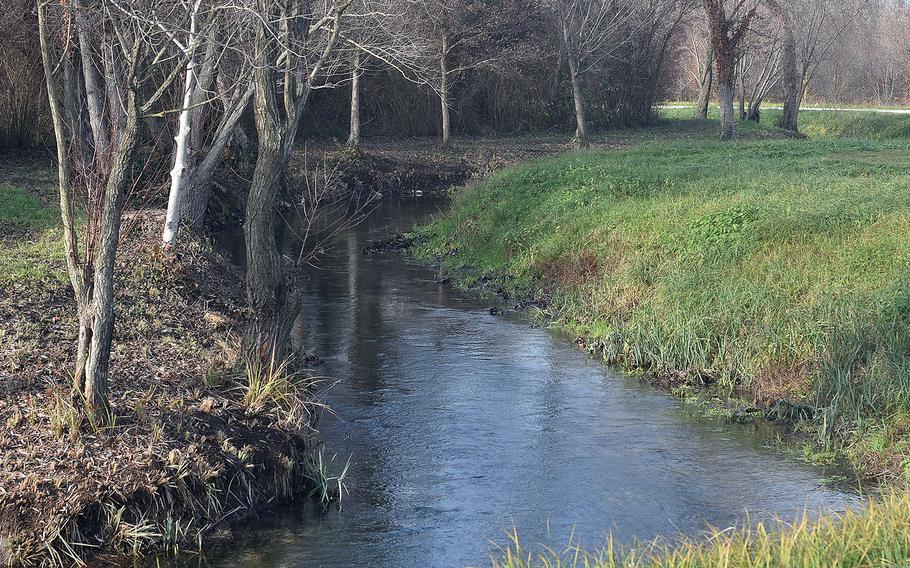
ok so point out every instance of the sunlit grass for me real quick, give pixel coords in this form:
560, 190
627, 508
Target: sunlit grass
31, 248
877, 535
274, 387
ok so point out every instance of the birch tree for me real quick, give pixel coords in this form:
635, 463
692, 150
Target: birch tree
213, 45
187, 47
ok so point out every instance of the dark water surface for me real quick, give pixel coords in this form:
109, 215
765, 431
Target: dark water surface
462, 425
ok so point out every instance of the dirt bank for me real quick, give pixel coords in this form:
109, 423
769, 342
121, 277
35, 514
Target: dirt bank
185, 451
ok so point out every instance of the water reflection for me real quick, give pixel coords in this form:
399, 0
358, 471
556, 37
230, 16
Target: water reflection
462, 424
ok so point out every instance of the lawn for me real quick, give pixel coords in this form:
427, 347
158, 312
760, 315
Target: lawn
856, 123
30, 238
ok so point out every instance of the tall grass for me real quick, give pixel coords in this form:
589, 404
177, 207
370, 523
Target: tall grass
275, 388
875, 536
777, 269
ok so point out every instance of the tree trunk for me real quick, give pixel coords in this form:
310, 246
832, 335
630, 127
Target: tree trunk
791, 84
93, 90
444, 91
725, 69
742, 91
102, 330
271, 295
755, 110
113, 80
66, 132
725, 37
83, 343
199, 179
704, 88
95, 294
354, 135
181, 143
204, 85
581, 126
269, 285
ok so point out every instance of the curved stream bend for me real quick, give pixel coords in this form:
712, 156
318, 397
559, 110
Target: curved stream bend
462, 425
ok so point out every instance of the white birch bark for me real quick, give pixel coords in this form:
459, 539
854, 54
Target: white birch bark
182, 138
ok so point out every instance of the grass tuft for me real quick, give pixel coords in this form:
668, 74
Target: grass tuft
273, 387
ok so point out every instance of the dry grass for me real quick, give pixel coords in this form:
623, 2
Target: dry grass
876, 536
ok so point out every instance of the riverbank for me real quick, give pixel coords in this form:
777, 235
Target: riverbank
192, 443
773, 271
191, 446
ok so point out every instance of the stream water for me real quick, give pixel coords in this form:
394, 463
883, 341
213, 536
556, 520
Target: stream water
461, 425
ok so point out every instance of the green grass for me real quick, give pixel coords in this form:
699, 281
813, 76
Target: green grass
876, 536
31, 247
775, 269
22, 208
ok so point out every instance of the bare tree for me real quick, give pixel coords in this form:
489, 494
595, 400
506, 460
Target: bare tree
589, 31
96, 179
94, 91
654, 37
294, 43
703, 53
759, 66
356, 71
214, 43
791, 83
819, 25
187, 46
384, 33
728, 21
464, 37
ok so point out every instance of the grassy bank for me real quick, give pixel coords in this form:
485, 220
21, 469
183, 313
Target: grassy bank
774, 270
197, 437
877, 536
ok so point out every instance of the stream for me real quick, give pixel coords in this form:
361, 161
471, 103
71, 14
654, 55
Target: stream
461, 425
